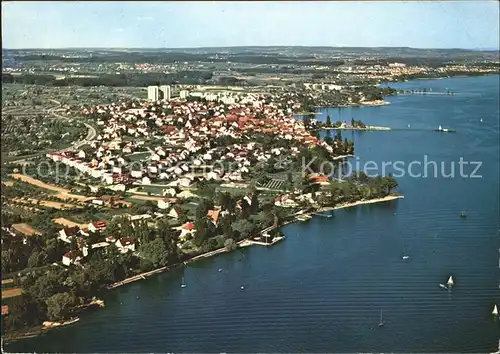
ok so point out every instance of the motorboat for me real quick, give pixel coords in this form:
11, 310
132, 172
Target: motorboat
440, 129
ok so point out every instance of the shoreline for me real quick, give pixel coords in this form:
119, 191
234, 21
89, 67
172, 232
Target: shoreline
362, 202
240, 244
368, 128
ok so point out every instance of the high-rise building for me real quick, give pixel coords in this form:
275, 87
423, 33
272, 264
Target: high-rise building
153, 93
166, 92
184, 94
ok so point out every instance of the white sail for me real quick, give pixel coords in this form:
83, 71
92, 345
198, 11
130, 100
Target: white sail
495, 311
450, 281
440, 128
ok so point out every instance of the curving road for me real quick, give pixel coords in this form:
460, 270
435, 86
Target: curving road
91, 134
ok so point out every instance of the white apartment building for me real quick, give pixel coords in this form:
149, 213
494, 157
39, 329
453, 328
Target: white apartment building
153, 93
184, 94
166, 92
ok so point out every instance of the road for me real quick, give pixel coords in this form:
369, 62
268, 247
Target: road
91, 134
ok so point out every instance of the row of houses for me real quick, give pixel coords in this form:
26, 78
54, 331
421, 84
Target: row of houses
185, 130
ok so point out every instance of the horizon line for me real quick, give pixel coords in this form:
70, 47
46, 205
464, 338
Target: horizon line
262, 46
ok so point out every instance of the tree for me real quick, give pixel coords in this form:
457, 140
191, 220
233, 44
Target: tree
203, 232
328, 121
156, 252
37, 259
230, 244
243, 227
59, 305
203, 207
226, 202
307, 121
22, 313
391, 183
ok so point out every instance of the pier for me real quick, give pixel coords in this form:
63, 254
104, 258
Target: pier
323, 215
303, 217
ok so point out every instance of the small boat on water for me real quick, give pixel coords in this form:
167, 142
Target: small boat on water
183, 285
481, 120
463, 214
381, 322
450, 282
440, 129
495, 311
405, 258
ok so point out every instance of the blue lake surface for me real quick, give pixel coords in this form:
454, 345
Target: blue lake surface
323, 287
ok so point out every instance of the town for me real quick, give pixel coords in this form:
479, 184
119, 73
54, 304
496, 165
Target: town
130, 172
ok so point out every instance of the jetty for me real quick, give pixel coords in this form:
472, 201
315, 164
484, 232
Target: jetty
390, 129
323, 215
356, 128
303, 217
274, 241
137, 277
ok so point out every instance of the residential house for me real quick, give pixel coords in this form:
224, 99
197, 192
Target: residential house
98, 226
68, 233
214, 216
126, 244
99, 245
187, 228
185, 194
175, 212
163, 204
169, 191
322, 180
285, 201
71, 257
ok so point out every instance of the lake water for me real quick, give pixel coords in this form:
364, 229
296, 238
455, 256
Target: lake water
322, 289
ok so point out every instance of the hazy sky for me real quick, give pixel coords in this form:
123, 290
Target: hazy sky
465, 24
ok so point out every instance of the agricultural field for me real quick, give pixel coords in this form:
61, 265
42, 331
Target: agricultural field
25, 229
7, 293
68, 223
63, 193
47, 203
274, 184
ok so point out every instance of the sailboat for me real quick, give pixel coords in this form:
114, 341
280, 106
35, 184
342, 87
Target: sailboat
495, 311
381, 323
481, 120
404, 257
183, 285
450, 282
